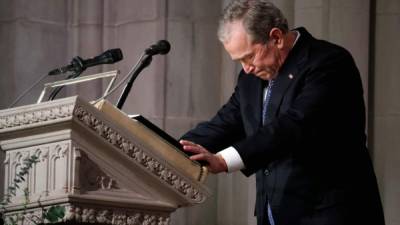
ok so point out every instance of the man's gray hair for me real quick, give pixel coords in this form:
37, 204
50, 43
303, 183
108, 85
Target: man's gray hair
257, 16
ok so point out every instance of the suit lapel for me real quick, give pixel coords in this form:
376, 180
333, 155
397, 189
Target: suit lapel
281, 85
288, 73
257, 102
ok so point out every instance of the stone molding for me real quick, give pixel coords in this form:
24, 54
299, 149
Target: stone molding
35, 116
100, 215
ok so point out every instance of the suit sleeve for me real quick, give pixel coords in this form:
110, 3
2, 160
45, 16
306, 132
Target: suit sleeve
225, 128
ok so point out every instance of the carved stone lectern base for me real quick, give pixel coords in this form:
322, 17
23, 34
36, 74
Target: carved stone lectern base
99, 170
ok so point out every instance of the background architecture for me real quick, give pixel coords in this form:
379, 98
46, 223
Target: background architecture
197, 76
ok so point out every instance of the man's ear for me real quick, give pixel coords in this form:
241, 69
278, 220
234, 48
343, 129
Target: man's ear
276, 37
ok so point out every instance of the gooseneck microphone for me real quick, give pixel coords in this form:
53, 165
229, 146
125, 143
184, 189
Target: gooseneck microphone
162, 47
78, 65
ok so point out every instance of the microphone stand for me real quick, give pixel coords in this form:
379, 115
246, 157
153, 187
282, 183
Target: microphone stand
58, 89
144, 62
27, 91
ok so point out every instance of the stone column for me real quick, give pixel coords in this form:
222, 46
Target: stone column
287, 8
343, 22
193, 66
32, 42
134, 26
193, 83
385, 110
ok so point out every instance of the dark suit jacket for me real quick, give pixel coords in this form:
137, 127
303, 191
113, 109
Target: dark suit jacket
310, 158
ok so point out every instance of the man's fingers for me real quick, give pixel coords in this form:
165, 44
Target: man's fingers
216, 163
184, 142
200, 156
194, 149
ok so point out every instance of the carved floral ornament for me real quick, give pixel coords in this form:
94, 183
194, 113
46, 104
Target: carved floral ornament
97, 215
162, 172
36, 116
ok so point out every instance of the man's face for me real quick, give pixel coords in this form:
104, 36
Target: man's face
262, 60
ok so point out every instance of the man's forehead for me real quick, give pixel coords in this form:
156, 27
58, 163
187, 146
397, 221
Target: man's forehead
238, 44
235, 30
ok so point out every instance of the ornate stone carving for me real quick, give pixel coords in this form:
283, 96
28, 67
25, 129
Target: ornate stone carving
93, 178
42, 153
88, 216
31, 218
58, 172
115, 217
35, 116
134, 219
104, 216
41, 177
141, 157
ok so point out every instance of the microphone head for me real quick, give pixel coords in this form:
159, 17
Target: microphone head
161, 47
112, 56
78, 65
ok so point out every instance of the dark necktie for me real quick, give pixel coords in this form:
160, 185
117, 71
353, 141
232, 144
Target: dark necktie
266, 103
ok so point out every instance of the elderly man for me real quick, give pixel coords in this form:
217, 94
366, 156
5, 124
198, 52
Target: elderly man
296, 119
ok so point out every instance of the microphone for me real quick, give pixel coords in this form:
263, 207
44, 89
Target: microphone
161, 47
78, 64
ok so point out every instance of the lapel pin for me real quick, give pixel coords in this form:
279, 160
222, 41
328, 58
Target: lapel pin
290, 76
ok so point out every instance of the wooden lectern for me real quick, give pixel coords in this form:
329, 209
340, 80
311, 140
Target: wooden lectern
99, 164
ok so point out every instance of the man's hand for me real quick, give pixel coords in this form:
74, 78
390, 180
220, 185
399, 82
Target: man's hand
216, 163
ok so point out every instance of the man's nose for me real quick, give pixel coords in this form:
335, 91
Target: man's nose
248, 68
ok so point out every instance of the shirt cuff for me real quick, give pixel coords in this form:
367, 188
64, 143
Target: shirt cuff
232, 158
